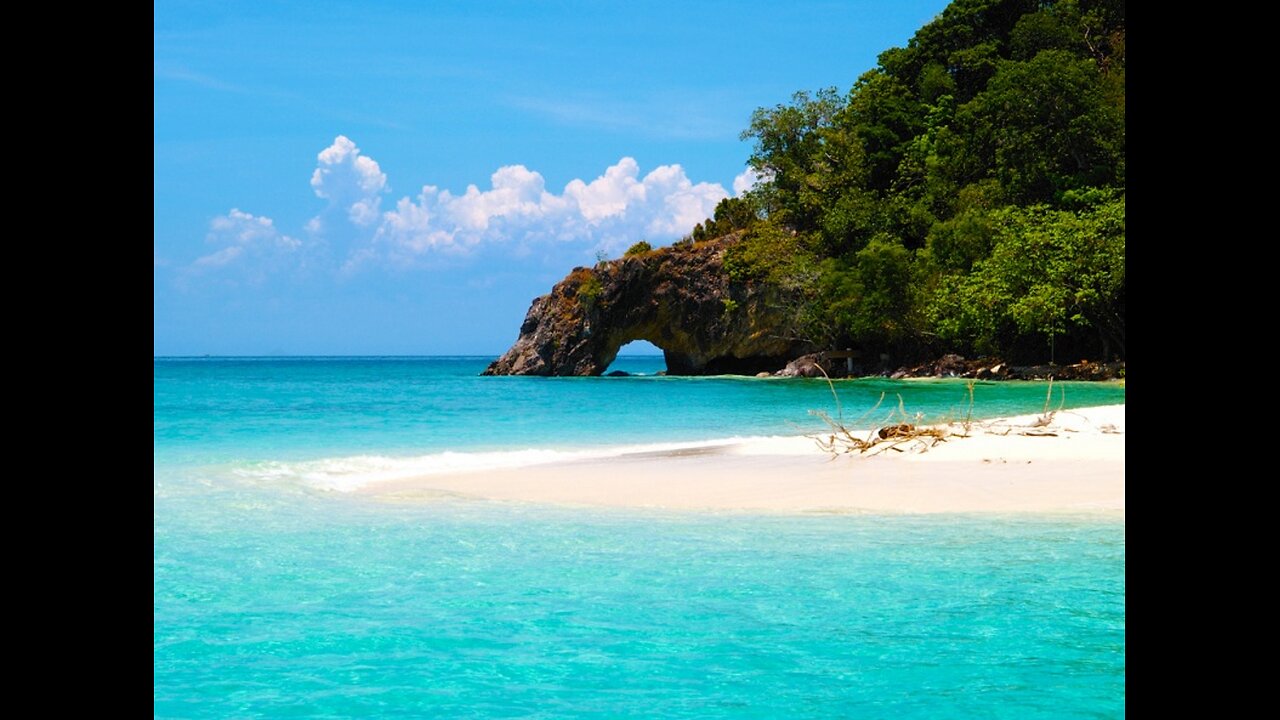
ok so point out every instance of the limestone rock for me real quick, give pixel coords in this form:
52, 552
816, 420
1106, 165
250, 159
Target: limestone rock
679, 298
806, 366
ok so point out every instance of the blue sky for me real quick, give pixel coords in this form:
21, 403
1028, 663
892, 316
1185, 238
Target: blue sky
404, 178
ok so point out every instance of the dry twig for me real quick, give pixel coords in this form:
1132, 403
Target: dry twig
898, 434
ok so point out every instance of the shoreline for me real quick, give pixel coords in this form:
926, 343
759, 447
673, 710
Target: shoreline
1006, 465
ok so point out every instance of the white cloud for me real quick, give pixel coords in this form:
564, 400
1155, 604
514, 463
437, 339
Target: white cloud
350, 180
615, 208
609, 212
242, 228
672, 204
408, 228
745, 181
243, 234
609, 194
219, 258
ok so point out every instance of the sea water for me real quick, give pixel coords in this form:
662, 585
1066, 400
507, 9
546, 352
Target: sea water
275, 593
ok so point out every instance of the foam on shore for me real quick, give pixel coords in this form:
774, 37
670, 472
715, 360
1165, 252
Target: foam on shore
1019, 464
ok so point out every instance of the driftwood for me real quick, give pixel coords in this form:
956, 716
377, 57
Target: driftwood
901, 432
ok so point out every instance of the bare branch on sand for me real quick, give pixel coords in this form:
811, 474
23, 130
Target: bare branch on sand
900, 432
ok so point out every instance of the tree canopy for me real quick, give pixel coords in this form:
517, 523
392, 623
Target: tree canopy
967, 194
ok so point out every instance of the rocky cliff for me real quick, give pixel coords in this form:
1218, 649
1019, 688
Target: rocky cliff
678, 298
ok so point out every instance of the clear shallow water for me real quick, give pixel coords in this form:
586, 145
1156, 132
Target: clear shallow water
273, 597
218, 410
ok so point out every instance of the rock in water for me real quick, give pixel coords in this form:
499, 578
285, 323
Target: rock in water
679, 298
807, 366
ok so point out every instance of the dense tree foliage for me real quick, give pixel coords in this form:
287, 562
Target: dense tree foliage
967, 194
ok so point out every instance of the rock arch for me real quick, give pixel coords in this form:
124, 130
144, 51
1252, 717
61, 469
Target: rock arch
678, 298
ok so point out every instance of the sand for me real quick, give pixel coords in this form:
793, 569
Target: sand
996, 469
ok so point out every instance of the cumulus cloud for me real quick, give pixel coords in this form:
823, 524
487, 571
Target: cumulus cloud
241, 234
609, 194
746, 181
350, 180
617, 207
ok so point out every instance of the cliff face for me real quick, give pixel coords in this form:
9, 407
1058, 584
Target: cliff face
678, 298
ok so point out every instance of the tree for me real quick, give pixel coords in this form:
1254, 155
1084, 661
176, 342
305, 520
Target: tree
967, 194
790, 143
1050, 272
1045, 127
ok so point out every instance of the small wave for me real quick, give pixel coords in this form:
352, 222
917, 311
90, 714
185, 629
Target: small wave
347, 474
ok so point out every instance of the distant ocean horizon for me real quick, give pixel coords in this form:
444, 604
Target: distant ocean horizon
276, 593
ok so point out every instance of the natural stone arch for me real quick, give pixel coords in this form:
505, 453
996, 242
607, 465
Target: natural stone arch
679, 298
635, 353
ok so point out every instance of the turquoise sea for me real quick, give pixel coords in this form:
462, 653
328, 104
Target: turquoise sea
278, 595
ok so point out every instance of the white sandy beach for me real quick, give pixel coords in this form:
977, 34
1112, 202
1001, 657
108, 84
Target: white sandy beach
997, 468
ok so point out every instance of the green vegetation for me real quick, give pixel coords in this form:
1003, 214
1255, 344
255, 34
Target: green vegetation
588, 284
968, 194
639, 248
